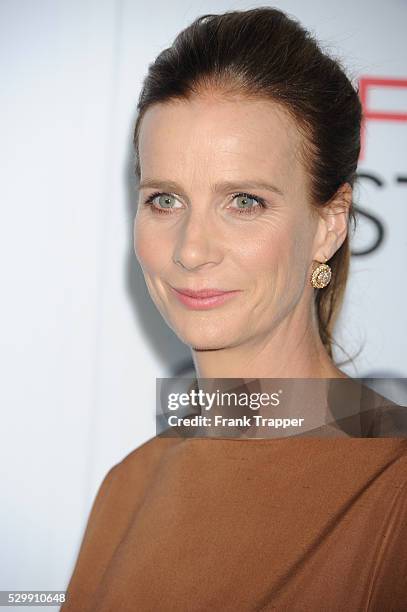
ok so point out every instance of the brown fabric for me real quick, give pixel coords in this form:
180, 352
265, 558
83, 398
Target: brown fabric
299, 524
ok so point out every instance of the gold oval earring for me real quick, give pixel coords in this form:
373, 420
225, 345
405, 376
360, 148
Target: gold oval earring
321, 276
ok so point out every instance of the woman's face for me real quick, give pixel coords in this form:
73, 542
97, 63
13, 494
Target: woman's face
200, 155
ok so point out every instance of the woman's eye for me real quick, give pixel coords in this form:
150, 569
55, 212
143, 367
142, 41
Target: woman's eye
166, 203
247, 203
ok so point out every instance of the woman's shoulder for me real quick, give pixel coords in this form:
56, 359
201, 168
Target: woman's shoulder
143, 460
128, 479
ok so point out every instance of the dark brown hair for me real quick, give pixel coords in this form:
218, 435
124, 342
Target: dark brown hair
263, 53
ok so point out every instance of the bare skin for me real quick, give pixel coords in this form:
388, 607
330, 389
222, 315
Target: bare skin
269, 328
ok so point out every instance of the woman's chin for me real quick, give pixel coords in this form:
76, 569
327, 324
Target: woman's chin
206, 340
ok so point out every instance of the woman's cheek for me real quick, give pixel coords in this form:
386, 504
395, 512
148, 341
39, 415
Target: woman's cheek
142, 243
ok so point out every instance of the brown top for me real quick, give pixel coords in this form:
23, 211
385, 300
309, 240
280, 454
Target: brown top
201, 524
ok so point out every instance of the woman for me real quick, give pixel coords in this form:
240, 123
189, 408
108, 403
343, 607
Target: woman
247, 142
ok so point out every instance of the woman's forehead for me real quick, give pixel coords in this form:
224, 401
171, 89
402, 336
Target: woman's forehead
227, 133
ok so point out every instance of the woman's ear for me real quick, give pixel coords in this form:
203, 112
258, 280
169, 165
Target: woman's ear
333, 224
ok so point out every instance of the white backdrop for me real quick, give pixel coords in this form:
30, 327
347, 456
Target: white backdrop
81, 341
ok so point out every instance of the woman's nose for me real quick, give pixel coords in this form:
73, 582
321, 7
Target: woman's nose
198, 242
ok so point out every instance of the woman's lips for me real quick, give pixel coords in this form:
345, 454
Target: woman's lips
203, 300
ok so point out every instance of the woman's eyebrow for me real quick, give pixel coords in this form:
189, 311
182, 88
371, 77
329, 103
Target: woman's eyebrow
217, 187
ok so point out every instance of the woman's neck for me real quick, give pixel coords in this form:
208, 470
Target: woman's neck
274, 357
